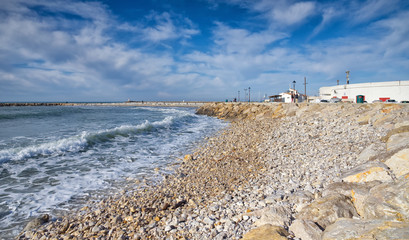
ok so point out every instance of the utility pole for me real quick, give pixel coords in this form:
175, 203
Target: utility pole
347, 72
305, 87
249, 94
239, 97
245, 94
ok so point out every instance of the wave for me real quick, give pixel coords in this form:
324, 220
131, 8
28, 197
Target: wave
82, 141
43, 113
168, 110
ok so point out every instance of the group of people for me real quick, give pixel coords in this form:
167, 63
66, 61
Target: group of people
294, 97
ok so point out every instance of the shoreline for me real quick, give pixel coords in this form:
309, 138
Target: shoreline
115, 104
263, 171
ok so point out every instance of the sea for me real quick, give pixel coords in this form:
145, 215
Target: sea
55, 158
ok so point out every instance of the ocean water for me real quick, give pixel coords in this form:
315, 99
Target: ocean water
54, 158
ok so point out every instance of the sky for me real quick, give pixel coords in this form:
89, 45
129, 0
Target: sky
195, 50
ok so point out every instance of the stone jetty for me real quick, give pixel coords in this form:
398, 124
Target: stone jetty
278, 171
117, 104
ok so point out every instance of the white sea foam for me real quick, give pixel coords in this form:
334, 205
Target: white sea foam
54, 173
71, 144
79, 142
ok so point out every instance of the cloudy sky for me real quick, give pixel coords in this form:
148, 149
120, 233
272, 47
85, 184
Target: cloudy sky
112, 50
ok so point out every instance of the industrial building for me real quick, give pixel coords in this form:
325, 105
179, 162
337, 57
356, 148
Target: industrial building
369, 92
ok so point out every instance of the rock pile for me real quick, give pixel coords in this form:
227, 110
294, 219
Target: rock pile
279, 171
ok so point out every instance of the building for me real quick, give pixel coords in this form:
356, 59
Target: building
396, 90
286, 96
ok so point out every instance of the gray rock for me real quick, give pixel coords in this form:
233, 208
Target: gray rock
397, 141
168, 228
369, 153
370, 171
35, 223
399, 162
366, 229
208, 221
305, 230
326, 210
301, 199
388, 201
347, 188
276, 216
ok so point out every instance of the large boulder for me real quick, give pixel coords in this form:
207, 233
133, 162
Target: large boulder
36, 222
399, 162
397, 141
401, 124
326, 210
357, 192
305, 229
266, 232
301, 199
388, 201
278, 216
349, 188
369, 153
370, 171
366, 229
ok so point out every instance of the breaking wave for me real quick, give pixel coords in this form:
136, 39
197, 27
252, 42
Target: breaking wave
82, 141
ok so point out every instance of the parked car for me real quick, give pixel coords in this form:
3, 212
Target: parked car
323, 101
376, 101
404, 101
391, 101
335, 100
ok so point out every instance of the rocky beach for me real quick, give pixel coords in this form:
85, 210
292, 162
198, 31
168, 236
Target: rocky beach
278, 171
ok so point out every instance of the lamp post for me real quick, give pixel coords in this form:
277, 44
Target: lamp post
347, 72
249, 94
239, 97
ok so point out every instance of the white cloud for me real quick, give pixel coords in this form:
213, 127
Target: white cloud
328, 15
235, 40
282, 13
54, 56
372, 9
396, 34
164, 28
294, 13
45, 52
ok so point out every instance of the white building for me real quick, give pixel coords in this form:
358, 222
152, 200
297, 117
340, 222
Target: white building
286, 96
397, 90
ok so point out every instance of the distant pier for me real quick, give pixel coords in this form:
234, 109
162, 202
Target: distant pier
123, 104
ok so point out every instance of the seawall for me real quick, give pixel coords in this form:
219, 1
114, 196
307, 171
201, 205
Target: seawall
260, 111
367, 200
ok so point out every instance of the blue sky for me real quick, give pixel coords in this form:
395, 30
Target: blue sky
112, 50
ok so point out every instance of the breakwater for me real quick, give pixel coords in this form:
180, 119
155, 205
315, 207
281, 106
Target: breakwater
129, 103
292, 171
